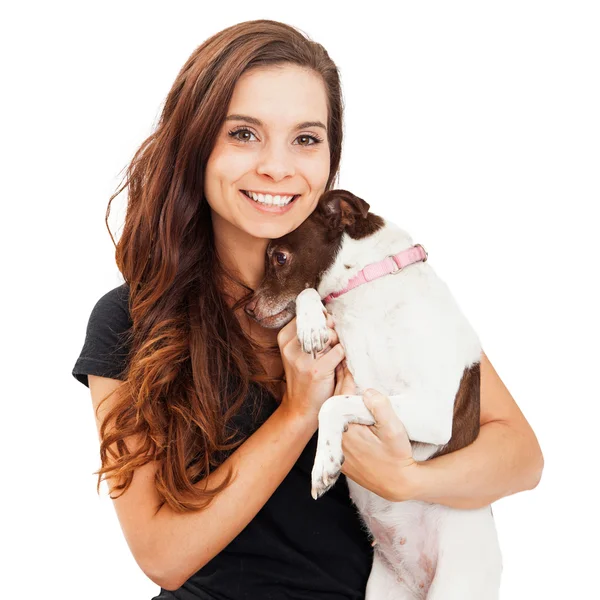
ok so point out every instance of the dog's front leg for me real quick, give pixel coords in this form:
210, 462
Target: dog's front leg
334, 416
311, 321
338, 411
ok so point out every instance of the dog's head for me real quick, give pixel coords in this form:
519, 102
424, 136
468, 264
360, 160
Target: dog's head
298, 260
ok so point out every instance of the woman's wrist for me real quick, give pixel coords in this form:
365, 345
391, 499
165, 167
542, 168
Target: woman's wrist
410, 482
298, 421
429, 481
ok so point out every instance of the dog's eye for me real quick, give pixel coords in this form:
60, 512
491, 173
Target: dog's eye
280, 257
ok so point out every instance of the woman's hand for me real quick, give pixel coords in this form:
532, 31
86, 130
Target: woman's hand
377, 457
309, 381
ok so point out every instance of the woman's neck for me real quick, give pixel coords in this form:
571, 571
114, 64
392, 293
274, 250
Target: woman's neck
241, 254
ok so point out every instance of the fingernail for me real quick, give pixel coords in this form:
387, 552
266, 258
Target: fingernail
369, 392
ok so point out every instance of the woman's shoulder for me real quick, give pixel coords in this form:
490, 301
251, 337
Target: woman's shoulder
106, 345
114, 306
110, 315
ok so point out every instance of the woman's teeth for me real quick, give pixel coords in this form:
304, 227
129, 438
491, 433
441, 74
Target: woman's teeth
270, 200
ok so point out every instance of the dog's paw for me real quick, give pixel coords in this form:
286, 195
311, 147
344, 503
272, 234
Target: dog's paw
311, 330
327, 467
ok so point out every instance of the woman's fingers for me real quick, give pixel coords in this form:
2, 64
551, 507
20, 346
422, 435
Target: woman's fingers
288, 338
329, 359
331, 341
339, 379
329, 320
288, 333
347, 385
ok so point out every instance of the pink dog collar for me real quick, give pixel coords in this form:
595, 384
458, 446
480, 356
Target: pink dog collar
393, 263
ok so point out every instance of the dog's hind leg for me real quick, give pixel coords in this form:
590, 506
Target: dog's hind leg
469, 563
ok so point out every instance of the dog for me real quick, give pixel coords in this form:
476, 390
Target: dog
405, 336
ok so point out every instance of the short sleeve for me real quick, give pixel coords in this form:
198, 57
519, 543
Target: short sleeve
107, 339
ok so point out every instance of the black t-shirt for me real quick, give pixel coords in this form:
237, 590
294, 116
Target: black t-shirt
295, 547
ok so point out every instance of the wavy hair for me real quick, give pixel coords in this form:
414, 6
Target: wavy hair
187, 375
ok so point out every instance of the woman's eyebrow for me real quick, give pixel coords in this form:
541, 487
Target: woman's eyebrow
259, 123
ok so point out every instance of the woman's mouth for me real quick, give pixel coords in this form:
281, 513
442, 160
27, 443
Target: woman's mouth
269, 208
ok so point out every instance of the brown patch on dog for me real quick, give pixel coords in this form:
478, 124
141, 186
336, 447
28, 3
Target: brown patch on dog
465, 423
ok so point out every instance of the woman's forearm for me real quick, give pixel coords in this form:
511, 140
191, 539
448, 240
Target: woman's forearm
500, 462
187, 541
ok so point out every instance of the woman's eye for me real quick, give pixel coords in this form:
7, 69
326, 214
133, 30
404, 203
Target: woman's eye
236, 133
310, 137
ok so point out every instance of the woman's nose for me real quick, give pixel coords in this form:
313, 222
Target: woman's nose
277, 164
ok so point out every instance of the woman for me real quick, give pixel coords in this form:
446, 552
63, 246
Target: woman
216, 416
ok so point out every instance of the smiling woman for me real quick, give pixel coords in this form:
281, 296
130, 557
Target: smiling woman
275, 153
190, 393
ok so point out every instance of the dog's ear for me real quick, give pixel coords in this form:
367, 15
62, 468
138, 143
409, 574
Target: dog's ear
342, 209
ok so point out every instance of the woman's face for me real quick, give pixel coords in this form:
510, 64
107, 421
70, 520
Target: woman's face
275, 145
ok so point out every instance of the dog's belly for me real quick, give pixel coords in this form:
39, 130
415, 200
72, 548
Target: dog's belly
406, 536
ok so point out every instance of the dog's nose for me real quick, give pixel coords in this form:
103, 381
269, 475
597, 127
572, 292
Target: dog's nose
249, 308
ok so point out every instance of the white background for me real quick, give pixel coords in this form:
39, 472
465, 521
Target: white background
473, 125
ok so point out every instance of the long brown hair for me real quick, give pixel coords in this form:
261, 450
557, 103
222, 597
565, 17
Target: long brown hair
190, 363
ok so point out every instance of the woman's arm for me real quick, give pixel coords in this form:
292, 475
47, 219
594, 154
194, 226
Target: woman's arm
504, 459
188, 541
170, 546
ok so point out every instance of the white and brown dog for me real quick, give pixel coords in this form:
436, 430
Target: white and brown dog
405, 336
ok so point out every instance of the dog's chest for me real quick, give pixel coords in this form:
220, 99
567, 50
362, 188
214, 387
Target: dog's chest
400, 331
385, 331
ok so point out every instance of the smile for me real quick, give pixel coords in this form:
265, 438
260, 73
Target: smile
269, 207
268, 199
